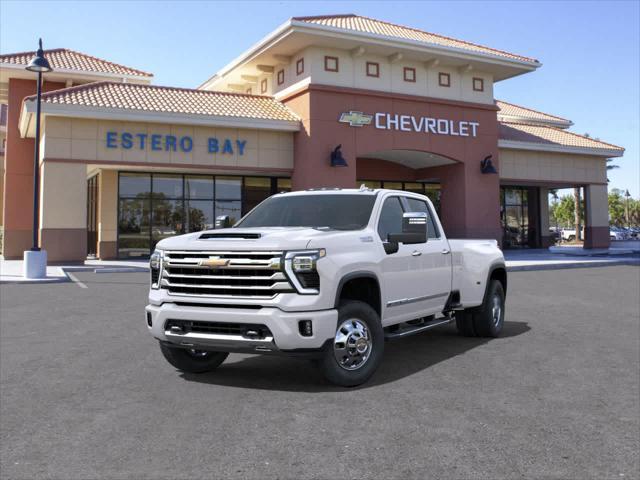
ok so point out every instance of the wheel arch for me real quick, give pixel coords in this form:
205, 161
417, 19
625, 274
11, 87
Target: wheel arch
363, 286
497, 272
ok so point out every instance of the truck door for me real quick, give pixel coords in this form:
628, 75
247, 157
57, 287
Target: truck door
402, 272
435, 260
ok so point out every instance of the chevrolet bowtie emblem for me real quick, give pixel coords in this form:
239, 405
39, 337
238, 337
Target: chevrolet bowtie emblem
214, 262
355, 119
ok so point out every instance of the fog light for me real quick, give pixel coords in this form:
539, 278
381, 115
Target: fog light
149, 320
305, 327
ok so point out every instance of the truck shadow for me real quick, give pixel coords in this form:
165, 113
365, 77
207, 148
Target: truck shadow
402, 358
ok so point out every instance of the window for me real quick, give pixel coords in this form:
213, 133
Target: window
409, 74
444, 79
416, 205
263, 86
390, 218
300, 66
248, 91
331, 64
478, 84
280, 77
373, 69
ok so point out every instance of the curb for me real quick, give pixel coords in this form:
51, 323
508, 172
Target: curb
566, 266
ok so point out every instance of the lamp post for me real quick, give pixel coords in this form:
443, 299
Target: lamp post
35, 260
626, 208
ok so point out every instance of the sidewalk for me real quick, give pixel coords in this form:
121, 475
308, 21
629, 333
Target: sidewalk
11, 270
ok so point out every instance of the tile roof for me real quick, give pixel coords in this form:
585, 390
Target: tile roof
370, 25
512, 110
544, 135
152, 98
65, 59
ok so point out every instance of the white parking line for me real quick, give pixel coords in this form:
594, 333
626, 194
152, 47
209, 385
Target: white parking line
75, 280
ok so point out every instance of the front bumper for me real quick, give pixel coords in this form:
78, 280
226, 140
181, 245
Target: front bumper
285, 335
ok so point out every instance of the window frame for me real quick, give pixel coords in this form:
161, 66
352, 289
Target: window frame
384, 201
263, 85
407, 70
327, 59
480, 82
300, 66
280, 76
377, 67
444, 75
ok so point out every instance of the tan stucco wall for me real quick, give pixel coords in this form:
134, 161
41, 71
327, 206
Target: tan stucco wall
108, 206
352, 74
597, 211
63, 195
80, 139
551, 167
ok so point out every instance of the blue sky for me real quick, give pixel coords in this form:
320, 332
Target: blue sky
589, 50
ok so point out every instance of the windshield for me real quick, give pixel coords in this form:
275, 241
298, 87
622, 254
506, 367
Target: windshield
338, 212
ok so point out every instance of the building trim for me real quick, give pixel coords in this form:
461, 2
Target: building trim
129, 115
523, 182
543, 147
533, 121
171, 166
386, 95
295, 26
66, 72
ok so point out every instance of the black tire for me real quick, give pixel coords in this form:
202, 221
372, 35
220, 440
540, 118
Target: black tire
481, 321
354, 317
189, 361
486, 321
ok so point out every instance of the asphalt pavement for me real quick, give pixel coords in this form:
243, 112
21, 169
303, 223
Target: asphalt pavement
85, 393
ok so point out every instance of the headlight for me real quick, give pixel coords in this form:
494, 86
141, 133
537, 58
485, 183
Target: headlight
301, 269
155, 265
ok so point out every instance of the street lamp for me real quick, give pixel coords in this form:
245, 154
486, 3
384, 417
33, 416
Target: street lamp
626, 207
35, 260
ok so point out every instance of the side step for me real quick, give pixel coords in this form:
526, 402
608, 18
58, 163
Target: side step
413, 329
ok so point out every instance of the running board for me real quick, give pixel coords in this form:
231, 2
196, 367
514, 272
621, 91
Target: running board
412, 330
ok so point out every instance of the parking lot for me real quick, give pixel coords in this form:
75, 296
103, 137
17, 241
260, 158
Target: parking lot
85, 393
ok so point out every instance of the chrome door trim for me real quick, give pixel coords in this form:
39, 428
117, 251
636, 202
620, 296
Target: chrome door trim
404, 301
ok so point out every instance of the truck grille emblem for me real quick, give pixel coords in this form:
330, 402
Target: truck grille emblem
214, 262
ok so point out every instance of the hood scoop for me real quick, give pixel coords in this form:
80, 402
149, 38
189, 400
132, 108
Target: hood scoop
230, 235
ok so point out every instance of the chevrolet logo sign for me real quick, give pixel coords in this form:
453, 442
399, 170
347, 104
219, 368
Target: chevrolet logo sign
355, 119
214, 262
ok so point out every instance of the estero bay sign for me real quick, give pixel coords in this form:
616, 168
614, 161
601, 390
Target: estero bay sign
411, 123
171, 143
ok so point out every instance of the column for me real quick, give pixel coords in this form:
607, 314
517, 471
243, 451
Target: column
107, 214
63, 211
596, 216
546, 240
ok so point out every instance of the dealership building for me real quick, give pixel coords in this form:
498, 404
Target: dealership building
330, 101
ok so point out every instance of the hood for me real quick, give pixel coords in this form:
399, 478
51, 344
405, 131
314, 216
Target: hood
259, 238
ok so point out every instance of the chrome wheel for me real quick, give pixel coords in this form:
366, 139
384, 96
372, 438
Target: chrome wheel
496, 309
352, 344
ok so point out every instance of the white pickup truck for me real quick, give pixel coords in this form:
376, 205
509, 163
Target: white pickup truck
327, 273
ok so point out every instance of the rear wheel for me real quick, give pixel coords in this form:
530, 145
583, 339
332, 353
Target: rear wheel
486, 320
357, 347
192, 360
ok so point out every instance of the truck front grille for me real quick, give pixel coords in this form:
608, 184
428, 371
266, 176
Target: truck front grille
224, 274
247, 330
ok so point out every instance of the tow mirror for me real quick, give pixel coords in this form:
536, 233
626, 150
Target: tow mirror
223, 221
414, 229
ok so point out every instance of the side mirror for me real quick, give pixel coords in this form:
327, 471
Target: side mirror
414, 229
223, 221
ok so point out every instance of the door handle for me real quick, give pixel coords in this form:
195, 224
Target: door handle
416, 253
446, 251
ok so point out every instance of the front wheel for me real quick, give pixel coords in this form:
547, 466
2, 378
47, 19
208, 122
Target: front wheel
357, 347
192, 360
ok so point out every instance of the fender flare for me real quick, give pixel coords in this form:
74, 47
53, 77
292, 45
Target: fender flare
493, 268
352, 276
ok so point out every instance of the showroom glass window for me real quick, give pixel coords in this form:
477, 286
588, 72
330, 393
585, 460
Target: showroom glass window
156, 206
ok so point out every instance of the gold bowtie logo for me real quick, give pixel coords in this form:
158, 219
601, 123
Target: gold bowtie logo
355, 119
214, 262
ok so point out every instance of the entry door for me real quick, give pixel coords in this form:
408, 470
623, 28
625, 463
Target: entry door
435, 260
92, 216
403, 285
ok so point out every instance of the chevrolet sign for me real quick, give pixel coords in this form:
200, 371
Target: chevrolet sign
355, 119
214, 262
